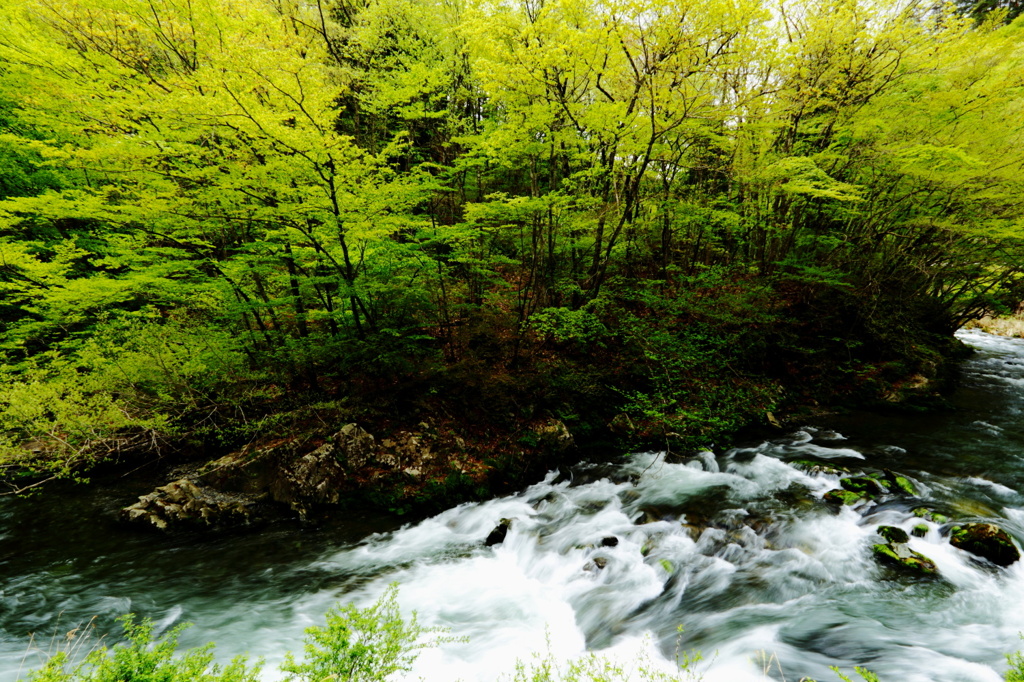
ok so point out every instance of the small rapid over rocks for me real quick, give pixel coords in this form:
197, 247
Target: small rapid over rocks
743, 550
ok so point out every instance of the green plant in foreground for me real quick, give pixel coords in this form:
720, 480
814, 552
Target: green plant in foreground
1016, 671
864, 673
143, 659
363, 645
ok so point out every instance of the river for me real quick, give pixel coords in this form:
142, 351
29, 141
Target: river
764, 578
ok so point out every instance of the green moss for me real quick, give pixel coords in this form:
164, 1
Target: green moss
892, 534
920, 530
925, 513
885, 551
864, 485
905, 558
904, 484
843, 497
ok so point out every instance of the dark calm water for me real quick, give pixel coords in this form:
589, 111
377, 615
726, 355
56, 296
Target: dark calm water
767, 580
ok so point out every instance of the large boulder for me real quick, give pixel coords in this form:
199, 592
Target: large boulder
313, 479
985, 540
295, 473
354, 447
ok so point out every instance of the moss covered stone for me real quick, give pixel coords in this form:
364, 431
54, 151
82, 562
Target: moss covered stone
841, 497
865, 485
901, 483
902, 557
925, 513
920, 530
811, 467
893, 535
985, 540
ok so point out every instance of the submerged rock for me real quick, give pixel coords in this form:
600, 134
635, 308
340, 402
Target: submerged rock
985, 540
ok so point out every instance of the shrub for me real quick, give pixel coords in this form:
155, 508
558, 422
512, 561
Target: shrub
362, 645
143, 659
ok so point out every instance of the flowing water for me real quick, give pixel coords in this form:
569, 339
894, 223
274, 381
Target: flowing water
736, 547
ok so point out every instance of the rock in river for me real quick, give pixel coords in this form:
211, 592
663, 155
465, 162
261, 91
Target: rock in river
497, 536
897, 553
985, 540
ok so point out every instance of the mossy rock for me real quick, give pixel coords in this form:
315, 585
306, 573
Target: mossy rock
864, 485
893, 535
920, 530
985, 540
811, 467
902, 557
843, 497
898, 482
925, 513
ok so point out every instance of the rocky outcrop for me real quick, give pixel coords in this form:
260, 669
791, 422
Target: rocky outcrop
308, 475
353, 447
897, 553
295, 474
985, 540
182, 503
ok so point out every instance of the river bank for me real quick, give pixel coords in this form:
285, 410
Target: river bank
674, 376
744, 553
308, 471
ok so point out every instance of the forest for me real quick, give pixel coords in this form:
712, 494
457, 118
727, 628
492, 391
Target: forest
675, 217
